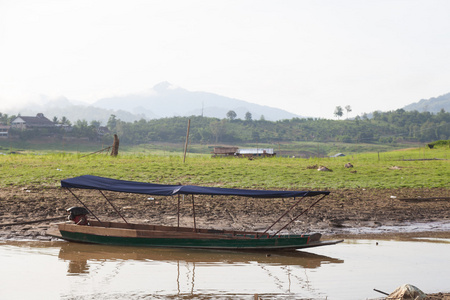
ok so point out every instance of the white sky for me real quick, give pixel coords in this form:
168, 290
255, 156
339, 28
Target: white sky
306, 57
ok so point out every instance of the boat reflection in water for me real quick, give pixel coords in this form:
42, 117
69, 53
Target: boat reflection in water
168, 272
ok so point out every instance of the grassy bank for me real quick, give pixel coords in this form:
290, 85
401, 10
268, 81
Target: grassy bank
394, 169
285, 149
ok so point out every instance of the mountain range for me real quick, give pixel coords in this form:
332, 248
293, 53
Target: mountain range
433, 105
165, 100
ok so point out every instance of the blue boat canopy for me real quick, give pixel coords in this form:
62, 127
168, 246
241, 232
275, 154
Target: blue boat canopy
109, 184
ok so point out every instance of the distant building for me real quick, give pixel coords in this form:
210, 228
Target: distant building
102, 130
4, 131
256, 152
40, 121
225, 151
65, 127
235, 151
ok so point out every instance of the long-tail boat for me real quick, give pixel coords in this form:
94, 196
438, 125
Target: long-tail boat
130, 234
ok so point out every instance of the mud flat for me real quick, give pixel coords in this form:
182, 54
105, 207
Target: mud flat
347, 212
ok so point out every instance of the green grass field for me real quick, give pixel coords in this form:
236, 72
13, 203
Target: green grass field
298, 149
416, 168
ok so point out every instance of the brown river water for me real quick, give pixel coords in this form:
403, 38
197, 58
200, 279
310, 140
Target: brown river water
350, 270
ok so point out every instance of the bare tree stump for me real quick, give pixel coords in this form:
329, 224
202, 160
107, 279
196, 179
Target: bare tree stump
115, 146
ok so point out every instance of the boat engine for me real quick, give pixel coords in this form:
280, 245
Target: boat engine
78, 214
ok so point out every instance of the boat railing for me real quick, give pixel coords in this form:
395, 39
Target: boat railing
134, 226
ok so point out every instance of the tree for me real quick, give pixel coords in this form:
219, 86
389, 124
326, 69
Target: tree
112, 122
95, 124
255, 135
231, 115
365, 117
65, 121
4, 119
376, 115
217, 129
248, 116
338, 112
348, 109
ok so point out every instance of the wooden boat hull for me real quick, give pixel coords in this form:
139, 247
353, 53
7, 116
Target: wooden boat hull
174, 237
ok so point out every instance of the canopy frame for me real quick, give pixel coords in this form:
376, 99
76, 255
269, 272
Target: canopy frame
117, 211
85, 206
298, 216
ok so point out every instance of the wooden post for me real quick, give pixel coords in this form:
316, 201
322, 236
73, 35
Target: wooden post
187, 140
115, 146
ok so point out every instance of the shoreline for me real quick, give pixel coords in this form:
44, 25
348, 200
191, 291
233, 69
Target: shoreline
346, 212
39, 235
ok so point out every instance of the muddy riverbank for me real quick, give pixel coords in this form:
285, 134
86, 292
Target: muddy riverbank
343, 212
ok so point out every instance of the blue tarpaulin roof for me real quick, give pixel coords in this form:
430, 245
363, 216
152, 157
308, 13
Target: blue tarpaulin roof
109, 184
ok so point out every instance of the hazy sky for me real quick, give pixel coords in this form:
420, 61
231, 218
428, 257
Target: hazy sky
306, 57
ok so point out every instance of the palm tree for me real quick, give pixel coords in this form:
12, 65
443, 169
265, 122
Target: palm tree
348, 109
338, 111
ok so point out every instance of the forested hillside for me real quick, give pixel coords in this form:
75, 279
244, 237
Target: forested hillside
389, 127
433, 105
386, 127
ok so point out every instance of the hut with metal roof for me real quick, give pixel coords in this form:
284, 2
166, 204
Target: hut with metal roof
256, 152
